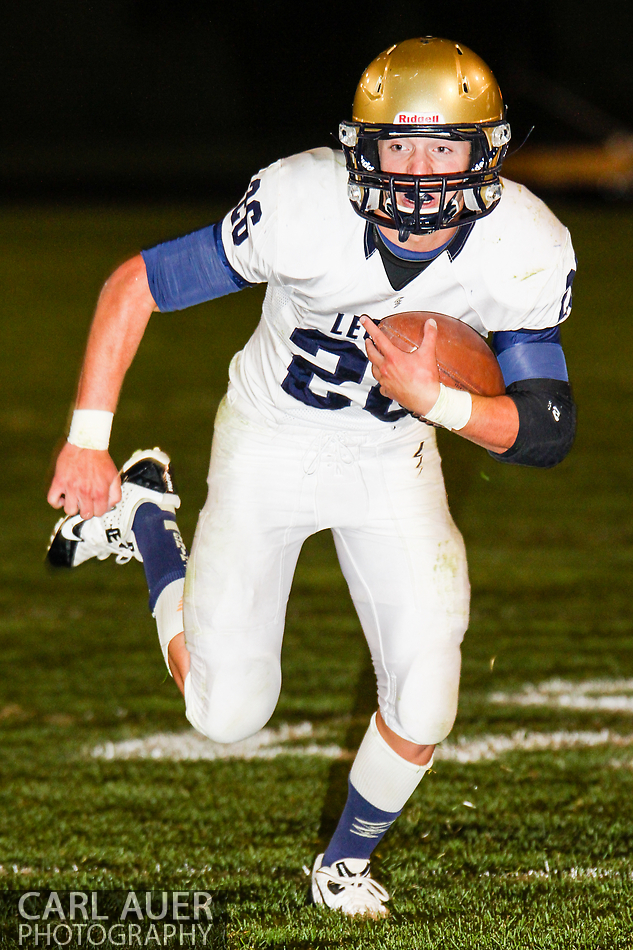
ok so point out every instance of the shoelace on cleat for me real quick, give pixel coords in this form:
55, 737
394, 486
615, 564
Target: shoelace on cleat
124, 556
359, 891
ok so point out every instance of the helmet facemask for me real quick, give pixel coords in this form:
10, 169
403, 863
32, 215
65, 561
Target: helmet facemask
463, 196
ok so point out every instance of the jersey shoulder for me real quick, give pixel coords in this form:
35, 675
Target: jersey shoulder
314, 175
525, 261
294, 216
523, 224
316, 218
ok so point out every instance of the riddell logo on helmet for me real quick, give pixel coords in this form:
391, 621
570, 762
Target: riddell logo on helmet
414, 118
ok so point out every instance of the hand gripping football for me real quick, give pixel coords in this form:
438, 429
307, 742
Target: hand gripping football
464, 359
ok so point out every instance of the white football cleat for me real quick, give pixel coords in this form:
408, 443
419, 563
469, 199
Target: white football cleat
145, 477
348, 886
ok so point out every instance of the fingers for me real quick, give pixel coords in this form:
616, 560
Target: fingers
411, 378
114, 493
380, 341
430, 333
377, 345
376, 358
85, 481
99, 494
61, 496
55, 496
86, 510
378, 348
368, 324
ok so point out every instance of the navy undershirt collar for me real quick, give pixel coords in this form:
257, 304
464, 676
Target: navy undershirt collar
453, 249
398, 251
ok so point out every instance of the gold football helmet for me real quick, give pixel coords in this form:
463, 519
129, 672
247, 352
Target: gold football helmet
433, 88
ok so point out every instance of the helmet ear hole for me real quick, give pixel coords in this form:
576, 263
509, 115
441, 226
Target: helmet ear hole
373, 199
470, 200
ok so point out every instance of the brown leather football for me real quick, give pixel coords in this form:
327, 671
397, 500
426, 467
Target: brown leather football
464, 359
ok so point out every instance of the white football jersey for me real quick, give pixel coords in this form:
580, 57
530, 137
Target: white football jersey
296, 230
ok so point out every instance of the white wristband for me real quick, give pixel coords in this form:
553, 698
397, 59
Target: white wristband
452, 408
90, 428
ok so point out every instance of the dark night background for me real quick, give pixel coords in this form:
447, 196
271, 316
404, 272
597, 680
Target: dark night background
125, 99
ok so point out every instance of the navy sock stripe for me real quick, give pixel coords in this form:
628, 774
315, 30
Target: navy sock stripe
162, 548
361, 827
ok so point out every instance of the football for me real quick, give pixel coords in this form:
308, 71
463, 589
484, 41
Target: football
464, 359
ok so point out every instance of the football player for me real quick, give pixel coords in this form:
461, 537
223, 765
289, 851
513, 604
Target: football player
314, 431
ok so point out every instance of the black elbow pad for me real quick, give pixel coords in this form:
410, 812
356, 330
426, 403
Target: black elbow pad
547, 423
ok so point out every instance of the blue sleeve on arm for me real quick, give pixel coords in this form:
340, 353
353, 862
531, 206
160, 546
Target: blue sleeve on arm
190, 270
530, 354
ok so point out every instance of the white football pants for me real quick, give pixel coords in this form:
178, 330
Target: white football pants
270, 487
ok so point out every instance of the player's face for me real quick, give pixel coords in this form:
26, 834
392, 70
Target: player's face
423, 156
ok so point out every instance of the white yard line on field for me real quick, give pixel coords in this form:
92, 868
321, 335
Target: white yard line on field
487, 748
520, 874
604, 695
267, 744
566, 874
271, 743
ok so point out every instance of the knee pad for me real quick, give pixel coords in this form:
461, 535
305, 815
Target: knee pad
427, 703
236, 701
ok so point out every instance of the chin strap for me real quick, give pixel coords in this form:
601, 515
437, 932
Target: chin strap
406, 228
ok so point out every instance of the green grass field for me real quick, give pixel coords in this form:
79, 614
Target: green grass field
540, 857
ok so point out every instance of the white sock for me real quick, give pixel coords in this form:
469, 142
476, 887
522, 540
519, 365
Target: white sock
382, 776
168, 614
